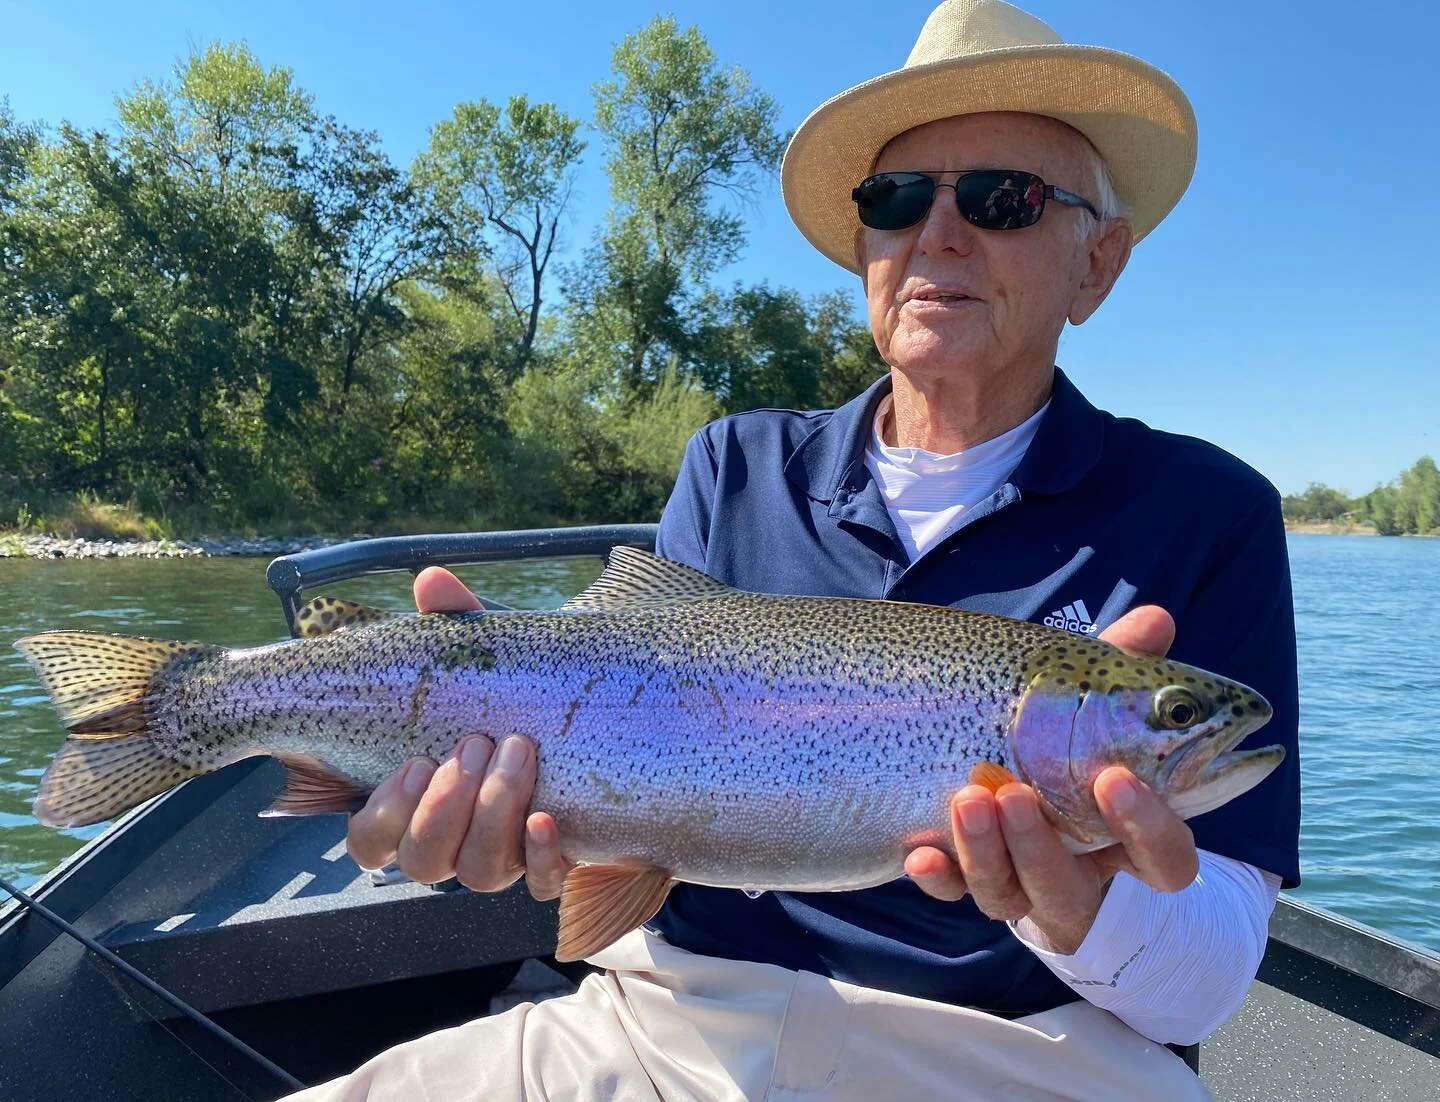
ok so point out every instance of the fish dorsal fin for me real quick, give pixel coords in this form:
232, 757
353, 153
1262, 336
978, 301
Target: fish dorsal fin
636, 579
599, 904
326, 614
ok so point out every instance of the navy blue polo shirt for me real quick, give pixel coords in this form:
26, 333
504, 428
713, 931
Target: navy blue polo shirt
1102, 514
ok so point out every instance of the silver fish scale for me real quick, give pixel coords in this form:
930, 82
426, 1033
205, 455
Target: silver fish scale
743, 740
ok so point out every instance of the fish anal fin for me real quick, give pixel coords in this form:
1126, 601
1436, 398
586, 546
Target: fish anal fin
989, 775
1062, 822
326, 614
599, 904
314, 788
635, 579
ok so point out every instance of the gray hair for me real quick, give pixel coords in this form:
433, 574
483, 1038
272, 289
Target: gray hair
1101, 192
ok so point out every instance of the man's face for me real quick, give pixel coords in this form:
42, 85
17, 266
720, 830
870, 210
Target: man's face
1018, 286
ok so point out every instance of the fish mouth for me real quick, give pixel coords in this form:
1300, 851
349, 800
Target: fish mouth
1207, 770
1209, 742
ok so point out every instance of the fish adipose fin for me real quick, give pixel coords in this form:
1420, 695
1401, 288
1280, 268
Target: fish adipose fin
599, 904
313, 788
100, 685
326, 614
635, 579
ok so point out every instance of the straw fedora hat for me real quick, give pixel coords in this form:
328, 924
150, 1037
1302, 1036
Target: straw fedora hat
984, 55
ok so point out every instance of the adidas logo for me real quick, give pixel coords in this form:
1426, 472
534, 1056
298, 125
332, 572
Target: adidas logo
1074, 618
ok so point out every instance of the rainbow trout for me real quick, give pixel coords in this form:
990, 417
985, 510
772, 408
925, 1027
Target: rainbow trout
686, 730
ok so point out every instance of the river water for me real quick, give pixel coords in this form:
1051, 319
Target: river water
1369, 683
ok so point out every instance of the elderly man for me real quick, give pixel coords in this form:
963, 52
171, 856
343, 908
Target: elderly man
986, 193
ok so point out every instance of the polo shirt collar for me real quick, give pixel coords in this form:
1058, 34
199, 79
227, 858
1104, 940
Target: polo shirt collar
828, 464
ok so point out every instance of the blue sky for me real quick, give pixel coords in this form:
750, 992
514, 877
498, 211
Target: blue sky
1287, 309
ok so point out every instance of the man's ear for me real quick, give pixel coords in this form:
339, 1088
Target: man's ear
860, 252
1106, 257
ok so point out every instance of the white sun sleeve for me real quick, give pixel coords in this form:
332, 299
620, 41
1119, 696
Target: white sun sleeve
1173, 966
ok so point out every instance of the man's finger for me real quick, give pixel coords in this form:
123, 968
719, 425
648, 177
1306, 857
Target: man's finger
437, 828
438, 590
545, 866
935, 873
493, 856
1063, 893
375, 831
1158, 842
983, 856
1148, 629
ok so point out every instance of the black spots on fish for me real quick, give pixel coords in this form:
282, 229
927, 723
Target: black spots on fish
1119, 663
1092, 661
1084, 686
1102, 672
1068, 667
1190, 679
468, 655
1237, 711
1160, 755
417, 703
1256, 706
570, 711
635, 696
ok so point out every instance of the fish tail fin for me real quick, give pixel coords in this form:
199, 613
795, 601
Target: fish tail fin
91, 780
101, 686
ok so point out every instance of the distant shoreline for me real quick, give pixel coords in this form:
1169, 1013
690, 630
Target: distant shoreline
28, 547
1329, 528
54, 547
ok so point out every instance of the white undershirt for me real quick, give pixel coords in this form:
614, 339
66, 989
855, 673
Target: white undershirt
925, 493
1172, 965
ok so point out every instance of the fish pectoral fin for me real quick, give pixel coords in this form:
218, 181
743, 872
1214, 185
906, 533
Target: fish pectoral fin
326, 614
989, 775
314, 788
599, 904
635, 579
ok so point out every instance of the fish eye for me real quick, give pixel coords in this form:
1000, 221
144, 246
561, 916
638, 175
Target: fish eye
1176, 708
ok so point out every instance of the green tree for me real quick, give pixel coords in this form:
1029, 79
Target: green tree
221, 120
1420, 495
367, 224
498, 181
681, 132
1318, 502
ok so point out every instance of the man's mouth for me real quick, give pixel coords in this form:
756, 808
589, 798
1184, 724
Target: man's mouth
945, 296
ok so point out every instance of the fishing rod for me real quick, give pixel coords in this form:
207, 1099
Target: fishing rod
215, 1030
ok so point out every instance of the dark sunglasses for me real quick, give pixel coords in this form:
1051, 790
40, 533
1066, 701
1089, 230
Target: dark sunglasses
990, 198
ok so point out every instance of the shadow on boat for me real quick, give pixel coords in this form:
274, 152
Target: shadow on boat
267, 928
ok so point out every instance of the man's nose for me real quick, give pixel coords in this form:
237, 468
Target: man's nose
943, 227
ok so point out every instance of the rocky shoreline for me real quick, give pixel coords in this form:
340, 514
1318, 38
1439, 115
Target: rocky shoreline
53, 547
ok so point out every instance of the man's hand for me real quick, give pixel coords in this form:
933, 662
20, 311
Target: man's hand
1012, 862
465, 817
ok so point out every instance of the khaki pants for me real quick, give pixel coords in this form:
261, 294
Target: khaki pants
663, 1023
